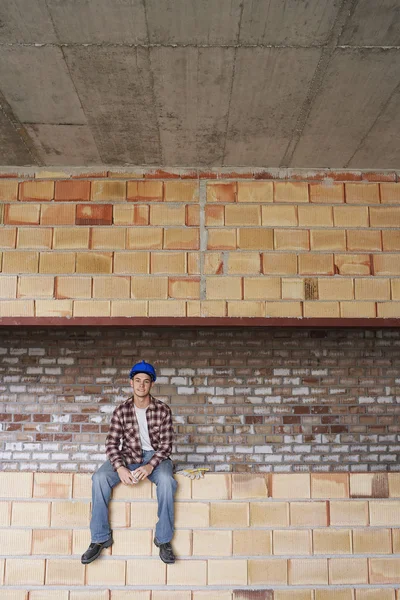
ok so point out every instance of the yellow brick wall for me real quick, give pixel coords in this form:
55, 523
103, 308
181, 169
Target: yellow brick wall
126, 245
238, 537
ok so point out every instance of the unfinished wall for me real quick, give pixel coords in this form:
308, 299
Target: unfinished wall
191, 245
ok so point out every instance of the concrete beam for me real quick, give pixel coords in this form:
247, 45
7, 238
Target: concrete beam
373, 23
26, 23
64, 144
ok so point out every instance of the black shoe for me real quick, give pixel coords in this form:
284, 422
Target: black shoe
94, 551
166, 553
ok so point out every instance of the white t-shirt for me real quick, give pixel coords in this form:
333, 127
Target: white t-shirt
143, 428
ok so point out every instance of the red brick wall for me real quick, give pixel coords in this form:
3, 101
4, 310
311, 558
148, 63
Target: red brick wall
243, 399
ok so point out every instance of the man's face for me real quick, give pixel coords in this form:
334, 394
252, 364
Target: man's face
141, 385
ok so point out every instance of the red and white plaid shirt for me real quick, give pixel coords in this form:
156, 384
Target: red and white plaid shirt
124, 428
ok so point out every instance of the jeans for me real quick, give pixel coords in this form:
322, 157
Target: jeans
106, 478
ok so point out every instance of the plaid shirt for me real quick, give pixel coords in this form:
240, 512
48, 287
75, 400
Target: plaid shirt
124, 427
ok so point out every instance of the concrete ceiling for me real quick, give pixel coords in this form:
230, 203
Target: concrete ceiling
257, 83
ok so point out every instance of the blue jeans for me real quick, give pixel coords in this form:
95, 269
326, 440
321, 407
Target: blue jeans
106, 478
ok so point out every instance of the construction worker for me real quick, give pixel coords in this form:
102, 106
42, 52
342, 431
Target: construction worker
138, 447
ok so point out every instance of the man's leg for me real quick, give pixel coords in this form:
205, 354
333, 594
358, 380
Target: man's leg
103, 482
162, 476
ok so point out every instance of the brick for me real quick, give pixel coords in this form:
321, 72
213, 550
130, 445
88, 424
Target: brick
31, 514
394, 485
375, 594
8, 287
279, 215
57, 262
291, 239
21, 214
372, 541
255, 239
129, 308
334, 594
148, 191
372, 289
213, 263
35, 287
227, 572
246, 486
120, 514
352, 513
108, 190
5, 514
396, 541
332, 541
321, 309
290, 486
71, 238
256, 192
69, 514
384, 513
268, 571
212, 543
316, 264
331, 194
384, 216
214, 215
128, 542
221, 192
308, 571
89, 594
36, 190
328, 239
111, 287
131, 215
216, 487
34, 237
80, 541
362, 193
143, 288
15, 542
181, 191
391, 240
8, 191
193, 514
105, 238
192, 572
49, 595
73, 287
207, 595
193, 215
290, 192
14, 594
279, 263
74, 191
61, 571
387, 310
297, 594
17, 308
329, 485
384, 570
292, 288
221, 239
244, 263
97, 574
51, 541
348, 570
242, 215
369, 485
127, 595
94, 262
167, 215
61, 214
181, 287
386, 264
181, 239
8, 237
145, 238
291, 541
355, 310
263, 288
316, 216
351, 216
132, 262
352, 264
303, 514
171, 595
167, 308
182, 543
24, 572
193, 308
284, 309
145, 572
242, 308
335, 289
390, 193
229, 514
94, 214
364, 240
223, 288
213, 308
193, 263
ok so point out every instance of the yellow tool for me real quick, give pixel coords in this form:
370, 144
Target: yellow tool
193, 473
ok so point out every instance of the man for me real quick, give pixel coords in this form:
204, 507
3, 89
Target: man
144, 426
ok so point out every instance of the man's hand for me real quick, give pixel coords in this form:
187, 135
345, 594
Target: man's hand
143, 472
126, 476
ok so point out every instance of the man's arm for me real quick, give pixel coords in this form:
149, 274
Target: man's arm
166, 435
113, 441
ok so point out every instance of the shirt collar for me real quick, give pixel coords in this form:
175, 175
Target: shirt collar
151, 406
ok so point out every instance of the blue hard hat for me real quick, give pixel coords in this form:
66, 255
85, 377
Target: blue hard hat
143, 367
